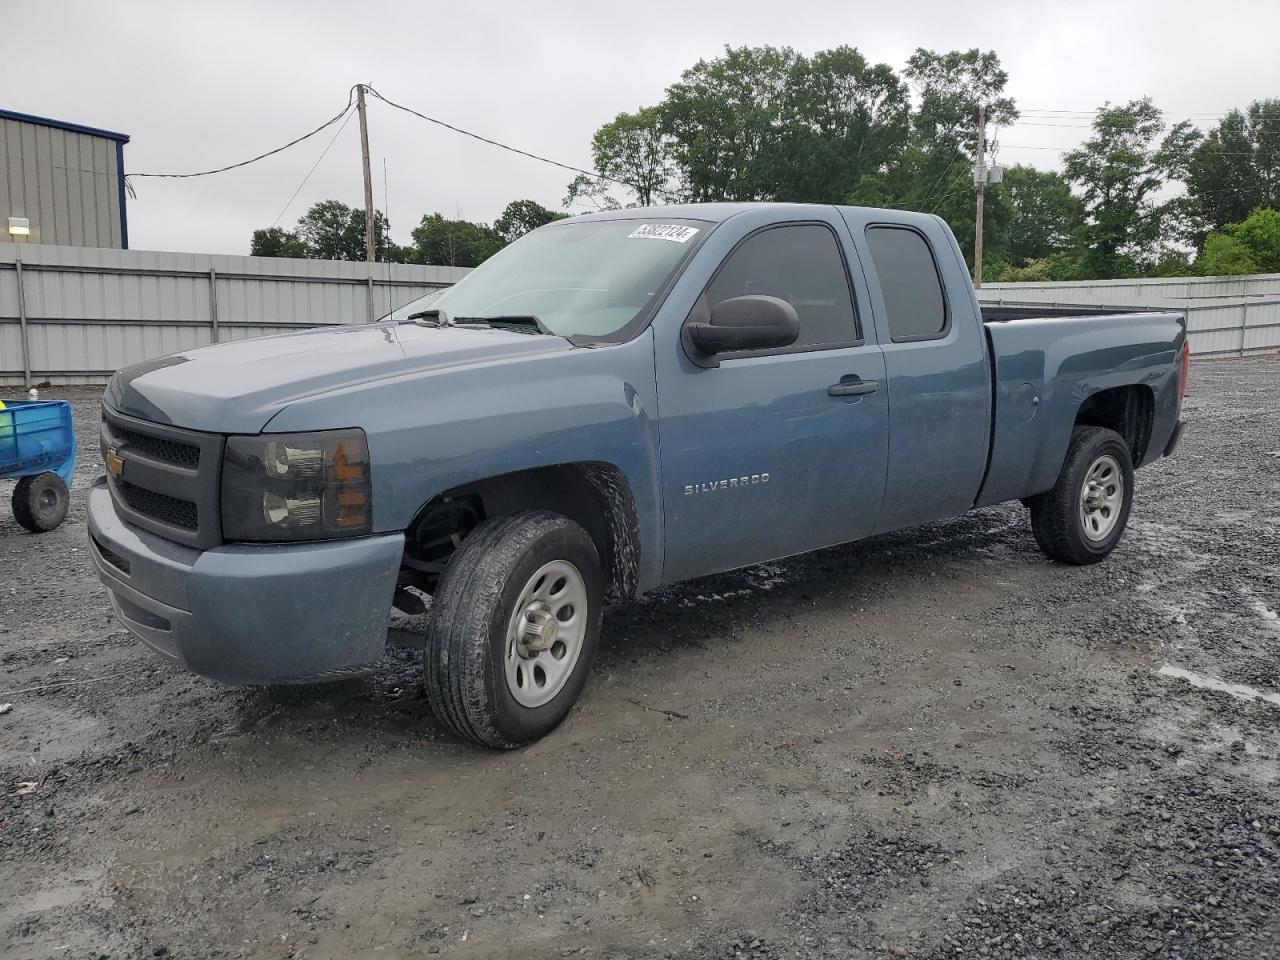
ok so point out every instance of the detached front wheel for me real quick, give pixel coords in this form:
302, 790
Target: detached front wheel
1082, 518
514, 628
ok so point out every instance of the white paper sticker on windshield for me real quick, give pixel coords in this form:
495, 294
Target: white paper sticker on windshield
663, 231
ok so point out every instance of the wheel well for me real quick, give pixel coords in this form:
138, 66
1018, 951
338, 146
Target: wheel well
1126, 410
596, 496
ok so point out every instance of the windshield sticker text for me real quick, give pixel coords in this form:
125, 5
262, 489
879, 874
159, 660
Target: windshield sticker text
663, 231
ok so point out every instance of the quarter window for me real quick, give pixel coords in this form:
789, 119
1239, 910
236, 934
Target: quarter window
800, 264
909, 283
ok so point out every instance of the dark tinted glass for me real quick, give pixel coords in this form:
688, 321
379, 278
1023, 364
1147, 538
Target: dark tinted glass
909, 282
801, 265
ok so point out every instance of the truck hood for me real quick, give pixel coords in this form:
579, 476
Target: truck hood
238, 387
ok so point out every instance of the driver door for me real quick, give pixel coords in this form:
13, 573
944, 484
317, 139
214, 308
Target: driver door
764, 456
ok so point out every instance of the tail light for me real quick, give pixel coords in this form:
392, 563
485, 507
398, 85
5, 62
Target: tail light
1186, 369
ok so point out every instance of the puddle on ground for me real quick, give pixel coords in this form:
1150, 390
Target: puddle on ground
1238, 690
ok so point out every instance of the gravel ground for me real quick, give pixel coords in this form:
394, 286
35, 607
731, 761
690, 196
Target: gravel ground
932, 744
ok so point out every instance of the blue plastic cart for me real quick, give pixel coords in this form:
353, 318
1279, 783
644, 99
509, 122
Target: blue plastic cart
38, 449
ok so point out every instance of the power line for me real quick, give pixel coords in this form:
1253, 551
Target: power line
313, 167
1211, 115
1022, 146
262, 156
937, 183
496, 143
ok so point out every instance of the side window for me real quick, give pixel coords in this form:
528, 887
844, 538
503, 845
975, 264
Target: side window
909, 283
800, 264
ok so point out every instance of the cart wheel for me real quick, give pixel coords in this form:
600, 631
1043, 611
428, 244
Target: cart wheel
40, 502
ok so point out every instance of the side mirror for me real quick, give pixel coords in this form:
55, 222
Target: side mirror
752, 322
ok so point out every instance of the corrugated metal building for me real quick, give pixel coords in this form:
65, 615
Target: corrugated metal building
64, 179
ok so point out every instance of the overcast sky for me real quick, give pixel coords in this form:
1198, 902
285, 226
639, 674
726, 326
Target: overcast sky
203, 85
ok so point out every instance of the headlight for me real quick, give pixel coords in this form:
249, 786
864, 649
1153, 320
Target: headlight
296, 486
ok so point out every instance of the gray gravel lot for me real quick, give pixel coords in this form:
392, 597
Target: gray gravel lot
931, 744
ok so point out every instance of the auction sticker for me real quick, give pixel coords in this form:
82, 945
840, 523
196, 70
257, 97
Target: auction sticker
674, 232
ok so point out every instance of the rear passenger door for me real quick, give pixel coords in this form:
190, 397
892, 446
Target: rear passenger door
936, 366
764, 455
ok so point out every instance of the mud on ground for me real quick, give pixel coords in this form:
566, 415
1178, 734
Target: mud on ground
931, 744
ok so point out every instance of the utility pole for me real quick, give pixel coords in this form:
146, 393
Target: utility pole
980, 181
370, 249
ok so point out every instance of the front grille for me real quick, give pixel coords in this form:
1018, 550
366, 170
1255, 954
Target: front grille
163, 478
161, 507
170, 451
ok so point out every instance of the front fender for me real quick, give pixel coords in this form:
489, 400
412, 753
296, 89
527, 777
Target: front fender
446, 428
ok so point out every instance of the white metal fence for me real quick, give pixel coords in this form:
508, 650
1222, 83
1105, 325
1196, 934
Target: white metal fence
1140, 292
76, 314
1226, 316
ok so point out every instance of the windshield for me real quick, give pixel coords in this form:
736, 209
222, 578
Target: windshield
587, 278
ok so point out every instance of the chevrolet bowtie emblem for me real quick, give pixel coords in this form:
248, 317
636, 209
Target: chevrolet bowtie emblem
115, 464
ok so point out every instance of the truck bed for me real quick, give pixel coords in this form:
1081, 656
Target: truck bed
1046, 360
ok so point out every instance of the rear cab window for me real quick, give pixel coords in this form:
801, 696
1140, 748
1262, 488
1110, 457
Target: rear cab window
910, 283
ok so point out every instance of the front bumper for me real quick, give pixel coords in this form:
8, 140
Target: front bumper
247, 613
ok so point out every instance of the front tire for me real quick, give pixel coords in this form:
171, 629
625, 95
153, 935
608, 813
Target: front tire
515, 623
1083, 517
40, 503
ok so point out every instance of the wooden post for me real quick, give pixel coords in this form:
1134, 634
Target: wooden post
980, 178
22, 326
370, 248
213, 305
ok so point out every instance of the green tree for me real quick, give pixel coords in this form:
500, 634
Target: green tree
951, 86
846, 119
636, 155
726, 119
1260, 234
276, 242
767, 123
454, 243
1223, 256
331, 230
1236, 168
521, 216
1250, 246
1044, 216
1120, 170
935, 174
1063, 265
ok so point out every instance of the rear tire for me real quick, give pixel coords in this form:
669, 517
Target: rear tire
515, 623
40, 503
1083, 517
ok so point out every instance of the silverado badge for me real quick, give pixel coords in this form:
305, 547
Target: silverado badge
727, 484
115, 463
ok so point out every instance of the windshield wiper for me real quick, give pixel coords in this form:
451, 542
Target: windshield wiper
435, 316
512, 321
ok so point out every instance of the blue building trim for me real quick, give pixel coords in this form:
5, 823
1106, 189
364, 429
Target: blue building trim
63, 125
124, 220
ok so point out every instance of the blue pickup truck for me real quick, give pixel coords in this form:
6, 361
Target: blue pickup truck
612, 403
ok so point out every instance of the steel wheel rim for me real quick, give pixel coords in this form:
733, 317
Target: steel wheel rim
1101, 498
545, 634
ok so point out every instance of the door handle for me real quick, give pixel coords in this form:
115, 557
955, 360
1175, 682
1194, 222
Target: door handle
853, 388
